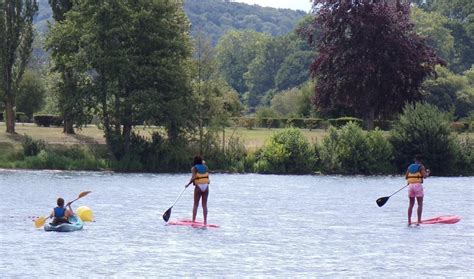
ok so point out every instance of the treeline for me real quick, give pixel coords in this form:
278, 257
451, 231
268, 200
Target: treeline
129, 63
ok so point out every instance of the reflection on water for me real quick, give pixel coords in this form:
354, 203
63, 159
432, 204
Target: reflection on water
285, 226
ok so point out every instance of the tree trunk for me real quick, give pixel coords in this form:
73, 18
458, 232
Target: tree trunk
370, 120
68, 125
10, 115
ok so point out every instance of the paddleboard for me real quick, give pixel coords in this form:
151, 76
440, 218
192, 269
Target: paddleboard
190, 223
447, 219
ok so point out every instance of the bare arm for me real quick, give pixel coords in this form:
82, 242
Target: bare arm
193, 170
425, 172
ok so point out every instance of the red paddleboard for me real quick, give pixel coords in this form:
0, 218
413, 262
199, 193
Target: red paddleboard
448, 219
190, 223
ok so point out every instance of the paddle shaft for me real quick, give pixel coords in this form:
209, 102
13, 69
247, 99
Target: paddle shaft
177, 199
398, 190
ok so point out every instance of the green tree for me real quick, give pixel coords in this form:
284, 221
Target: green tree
424, 129
450, 92
16, 39
235, 51
433, 25
31, 93
137, 53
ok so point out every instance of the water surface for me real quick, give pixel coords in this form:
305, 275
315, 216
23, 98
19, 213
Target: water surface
271, 226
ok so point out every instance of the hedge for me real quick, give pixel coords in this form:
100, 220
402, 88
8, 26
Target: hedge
19, 117
341, 121
47, 120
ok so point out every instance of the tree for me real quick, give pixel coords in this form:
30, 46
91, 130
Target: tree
31, 93
235, 51
433, 26
62, 42
16, 39
370, 59
136, 53
450, 92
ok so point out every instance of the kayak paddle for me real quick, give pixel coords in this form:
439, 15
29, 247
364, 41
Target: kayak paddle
167, 214
381, 201
41, 220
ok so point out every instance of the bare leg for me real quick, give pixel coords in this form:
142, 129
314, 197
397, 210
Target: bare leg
419, 200
197, 197
410, 209
204, 204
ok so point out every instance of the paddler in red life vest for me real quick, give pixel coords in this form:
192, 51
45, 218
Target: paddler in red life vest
414, 176
200, 179
61, 212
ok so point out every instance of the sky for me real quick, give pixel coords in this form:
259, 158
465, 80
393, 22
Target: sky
304, 5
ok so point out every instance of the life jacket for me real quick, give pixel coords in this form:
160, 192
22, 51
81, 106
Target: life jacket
60, 212
414, 174
202, 176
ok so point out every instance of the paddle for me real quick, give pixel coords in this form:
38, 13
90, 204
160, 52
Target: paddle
381, 201
41, 220
167, 214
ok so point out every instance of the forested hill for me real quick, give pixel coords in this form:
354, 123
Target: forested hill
215, 17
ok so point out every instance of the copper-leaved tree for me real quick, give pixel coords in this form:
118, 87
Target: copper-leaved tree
371, 61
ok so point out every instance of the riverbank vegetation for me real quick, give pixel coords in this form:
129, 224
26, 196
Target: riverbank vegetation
133, 89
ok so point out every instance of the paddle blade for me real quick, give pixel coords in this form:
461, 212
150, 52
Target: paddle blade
40, 222
382, 201
83, 194
167, 214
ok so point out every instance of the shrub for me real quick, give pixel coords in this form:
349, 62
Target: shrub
351, 151
32, 147
465, 156
341, 121
424, 129
247, 122
47, 120
287, 151
384, 125
21, 117
295, 122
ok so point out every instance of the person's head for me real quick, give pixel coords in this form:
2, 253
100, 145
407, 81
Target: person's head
60, 202
418, 158
197, 160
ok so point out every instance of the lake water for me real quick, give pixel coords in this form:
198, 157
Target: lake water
270, 226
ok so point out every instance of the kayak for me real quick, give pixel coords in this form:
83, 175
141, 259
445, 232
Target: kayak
447, 219
190, 223
75, 224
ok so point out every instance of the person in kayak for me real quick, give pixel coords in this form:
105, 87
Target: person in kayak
61, 212
200, 179
414, 176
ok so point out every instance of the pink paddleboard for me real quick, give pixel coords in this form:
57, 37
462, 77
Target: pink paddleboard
190, 223
448, 219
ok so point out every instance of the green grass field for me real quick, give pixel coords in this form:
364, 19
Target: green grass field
253, 139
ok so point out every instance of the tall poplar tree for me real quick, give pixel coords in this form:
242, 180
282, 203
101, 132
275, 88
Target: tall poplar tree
16, 39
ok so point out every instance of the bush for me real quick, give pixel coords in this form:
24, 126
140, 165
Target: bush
341, 121
351, 151
424, 129
295, 122
21, 117
247, 122
465, 156
384, 125
47, 120
32, 147
287, 151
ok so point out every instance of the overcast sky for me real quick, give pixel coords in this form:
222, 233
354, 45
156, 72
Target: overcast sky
304, 5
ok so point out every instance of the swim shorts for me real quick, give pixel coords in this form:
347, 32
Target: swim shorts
415, 190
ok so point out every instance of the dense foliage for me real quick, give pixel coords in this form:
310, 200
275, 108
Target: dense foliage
370, 60
287, 151
423, 129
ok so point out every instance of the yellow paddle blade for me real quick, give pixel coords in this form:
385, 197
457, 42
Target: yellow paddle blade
40, 222
83, 194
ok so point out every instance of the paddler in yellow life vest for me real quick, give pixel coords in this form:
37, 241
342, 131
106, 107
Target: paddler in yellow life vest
200, 179
414, 176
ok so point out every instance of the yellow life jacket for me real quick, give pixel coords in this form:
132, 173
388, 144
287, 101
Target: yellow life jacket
202, 175
414, 174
